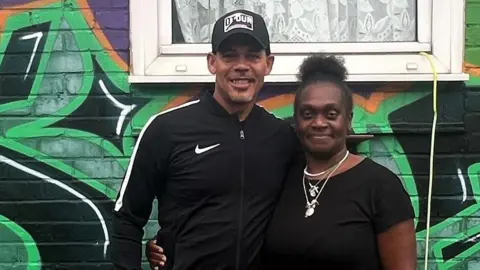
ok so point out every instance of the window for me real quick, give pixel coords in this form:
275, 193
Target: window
380, 40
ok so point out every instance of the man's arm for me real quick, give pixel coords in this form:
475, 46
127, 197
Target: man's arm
134, 202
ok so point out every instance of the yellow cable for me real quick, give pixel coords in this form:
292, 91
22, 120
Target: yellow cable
432, 147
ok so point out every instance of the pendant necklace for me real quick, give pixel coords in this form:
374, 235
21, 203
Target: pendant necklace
314, 188
314, 192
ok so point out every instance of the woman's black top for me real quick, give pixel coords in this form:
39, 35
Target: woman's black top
354, 207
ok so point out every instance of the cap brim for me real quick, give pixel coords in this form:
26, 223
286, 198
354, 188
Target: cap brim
240, 31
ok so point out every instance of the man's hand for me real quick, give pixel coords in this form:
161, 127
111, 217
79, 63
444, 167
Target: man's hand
155, 255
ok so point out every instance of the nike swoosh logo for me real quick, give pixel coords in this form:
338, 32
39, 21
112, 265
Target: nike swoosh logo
199, 150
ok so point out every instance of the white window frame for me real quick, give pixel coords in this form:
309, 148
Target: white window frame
440, 31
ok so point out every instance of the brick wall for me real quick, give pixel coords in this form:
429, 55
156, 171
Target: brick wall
64, 146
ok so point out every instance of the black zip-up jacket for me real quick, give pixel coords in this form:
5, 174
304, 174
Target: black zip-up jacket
217, 181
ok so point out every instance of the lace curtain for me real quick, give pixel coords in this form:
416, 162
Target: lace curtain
291, 21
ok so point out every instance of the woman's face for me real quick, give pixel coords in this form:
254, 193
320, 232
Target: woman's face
322, 122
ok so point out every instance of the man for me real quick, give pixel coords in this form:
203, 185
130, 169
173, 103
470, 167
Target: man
215, 164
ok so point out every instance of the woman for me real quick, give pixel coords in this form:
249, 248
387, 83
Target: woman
337, 210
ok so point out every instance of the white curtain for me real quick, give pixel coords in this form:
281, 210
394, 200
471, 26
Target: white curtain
292, 21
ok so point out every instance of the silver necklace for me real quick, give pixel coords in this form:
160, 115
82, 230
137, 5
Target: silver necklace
318, 174
314, 188
310, 205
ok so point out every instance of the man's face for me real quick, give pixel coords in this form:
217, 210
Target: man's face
240, 66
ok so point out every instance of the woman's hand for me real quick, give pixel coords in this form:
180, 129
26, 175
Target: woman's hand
155, 255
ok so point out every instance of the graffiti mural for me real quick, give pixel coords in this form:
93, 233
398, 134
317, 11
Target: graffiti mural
69, 120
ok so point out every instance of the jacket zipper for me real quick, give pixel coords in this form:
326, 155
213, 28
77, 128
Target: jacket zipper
240, 214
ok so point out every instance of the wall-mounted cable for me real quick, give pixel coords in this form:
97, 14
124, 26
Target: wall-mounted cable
432, 151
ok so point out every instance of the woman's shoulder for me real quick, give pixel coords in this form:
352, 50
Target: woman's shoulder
375, 173
373, 168
380, 177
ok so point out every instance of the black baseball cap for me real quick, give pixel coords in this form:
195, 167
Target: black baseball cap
240, 22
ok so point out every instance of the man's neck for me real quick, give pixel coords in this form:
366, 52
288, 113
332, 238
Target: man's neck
241, 110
